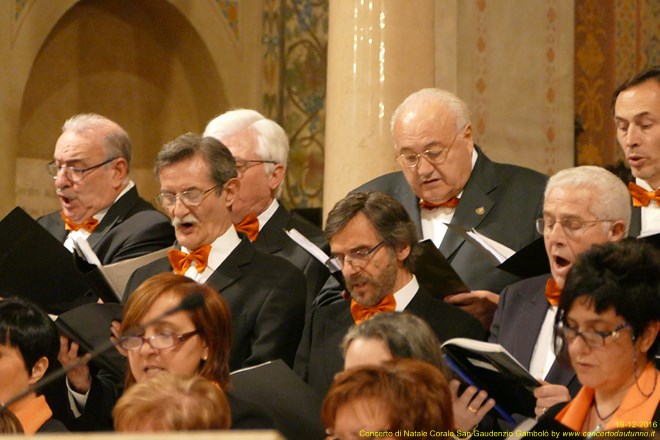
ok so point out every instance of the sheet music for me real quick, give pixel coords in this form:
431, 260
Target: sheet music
84, 250
308, 245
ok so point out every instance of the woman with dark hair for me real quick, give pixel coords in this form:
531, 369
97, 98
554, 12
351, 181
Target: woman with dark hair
28, 348
607, 324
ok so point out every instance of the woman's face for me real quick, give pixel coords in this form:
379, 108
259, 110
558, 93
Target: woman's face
608, 368
361, 418
183, 359
14, 377
366, 351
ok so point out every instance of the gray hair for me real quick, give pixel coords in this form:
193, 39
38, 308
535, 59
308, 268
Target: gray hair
272, 141
611, 197
406, 336
387, 216
217, 156
454, 104
116, 141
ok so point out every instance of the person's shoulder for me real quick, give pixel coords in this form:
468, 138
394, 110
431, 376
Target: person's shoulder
517, 173
385, 183
525, 286
50, 218
268, 264
52, 425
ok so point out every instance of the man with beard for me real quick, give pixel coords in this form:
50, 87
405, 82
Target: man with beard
374, 241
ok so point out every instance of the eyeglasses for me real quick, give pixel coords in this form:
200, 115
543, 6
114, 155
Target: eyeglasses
189, 197
356, 258
158, 341
593, 338
244, 164
570, 226
72, 173
433, 155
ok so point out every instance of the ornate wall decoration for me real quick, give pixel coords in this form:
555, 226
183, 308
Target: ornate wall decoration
229, 9
613, 40
550, 109
295, 59
481, 65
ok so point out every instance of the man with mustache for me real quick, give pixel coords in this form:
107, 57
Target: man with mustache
636, 111
446, 178
373, 240
99, 201
265, 294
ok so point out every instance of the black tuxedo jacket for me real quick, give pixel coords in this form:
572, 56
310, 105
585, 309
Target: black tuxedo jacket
130, 228
635, 222
273, 240
500, 201
517, 323
266, 297
319, 356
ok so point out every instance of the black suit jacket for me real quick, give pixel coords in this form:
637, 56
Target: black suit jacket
130, 228
635, 222
500, 201
273, 240
266, 297
517, 323
319, 356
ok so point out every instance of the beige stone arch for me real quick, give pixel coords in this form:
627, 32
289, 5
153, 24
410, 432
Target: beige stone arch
159, 68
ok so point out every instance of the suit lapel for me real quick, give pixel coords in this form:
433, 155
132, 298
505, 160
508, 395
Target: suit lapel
114, 216
333, 332
230, 270
635, 222
270, 237
533, 311
475, 204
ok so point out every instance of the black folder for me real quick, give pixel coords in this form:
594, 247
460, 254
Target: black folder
435, 273
89, 325
34, 265
294, 407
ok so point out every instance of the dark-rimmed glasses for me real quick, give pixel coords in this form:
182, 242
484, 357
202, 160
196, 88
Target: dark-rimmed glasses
434, 155
159, 341
74, 174
189, 197
571, 226
356, 258
593, 338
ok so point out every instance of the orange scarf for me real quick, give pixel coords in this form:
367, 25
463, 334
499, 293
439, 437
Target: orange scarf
635, 407
33, 413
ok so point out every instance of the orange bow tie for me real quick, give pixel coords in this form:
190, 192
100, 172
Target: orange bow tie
89, 224
181, 261
451, 203
642, 197
249, 226
552, 292
361, 313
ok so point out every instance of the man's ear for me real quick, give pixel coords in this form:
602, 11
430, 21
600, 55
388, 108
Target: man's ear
120, 171
402, 253
617, 231
38, 370
276, 177
231, 189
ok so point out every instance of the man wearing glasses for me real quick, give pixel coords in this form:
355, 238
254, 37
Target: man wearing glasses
445, 178
583, 206
265, 294
99, 202
373, 242
261, 148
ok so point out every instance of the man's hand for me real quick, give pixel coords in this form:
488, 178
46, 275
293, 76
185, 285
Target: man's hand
548, 395
479, 303
78, 377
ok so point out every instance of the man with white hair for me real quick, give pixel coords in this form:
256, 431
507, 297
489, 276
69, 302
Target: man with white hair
261, 147
100, 203
583, 206
446, 178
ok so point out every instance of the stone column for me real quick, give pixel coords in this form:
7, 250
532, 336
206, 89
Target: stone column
379, 52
